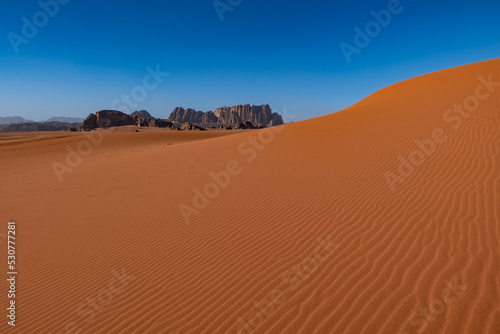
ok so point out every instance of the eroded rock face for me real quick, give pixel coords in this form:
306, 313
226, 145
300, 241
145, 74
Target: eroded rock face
259, 115
109, 118
142, 114
179, 115
90, 122
228, 116
276, 119
209, 118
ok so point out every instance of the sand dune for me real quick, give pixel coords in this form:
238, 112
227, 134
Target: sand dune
381, 218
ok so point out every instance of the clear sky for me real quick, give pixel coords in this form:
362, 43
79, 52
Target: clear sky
88, 54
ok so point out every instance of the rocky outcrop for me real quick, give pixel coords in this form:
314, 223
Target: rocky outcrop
142, 114
90, 122
139, 121
159, 123
181, 115
259, 115
111, 118
246, 125
154, 123
228, 116
276, 119
189, 126
106, 119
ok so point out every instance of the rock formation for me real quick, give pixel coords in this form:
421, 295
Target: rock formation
246, 125
106, 119
242, 116
159, 123
228, 116
179, 115
258, 115
110, 118
189, 126
142, 114
90, 122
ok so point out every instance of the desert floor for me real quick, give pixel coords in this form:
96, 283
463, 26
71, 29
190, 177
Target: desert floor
381, 218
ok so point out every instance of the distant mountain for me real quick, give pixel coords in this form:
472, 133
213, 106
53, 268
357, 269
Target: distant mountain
13, 120
38, 126
64, 119
142, 113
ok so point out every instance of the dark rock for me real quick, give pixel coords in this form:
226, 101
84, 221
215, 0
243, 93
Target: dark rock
90, 122
240, 126
189, 126
110, 118
159, 123
246, 125
249, 125
140, 121
107, 119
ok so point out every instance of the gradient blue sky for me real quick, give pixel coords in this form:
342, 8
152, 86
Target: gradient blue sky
284, 53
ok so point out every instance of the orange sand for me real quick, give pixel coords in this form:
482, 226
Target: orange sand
309, 230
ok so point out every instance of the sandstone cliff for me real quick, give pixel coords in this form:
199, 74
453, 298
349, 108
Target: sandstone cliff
179, 115
258, 115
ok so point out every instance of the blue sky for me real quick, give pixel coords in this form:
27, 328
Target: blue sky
284, 53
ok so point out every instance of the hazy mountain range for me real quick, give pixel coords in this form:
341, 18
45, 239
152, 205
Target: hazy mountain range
36, 126
18, 119
13, 120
